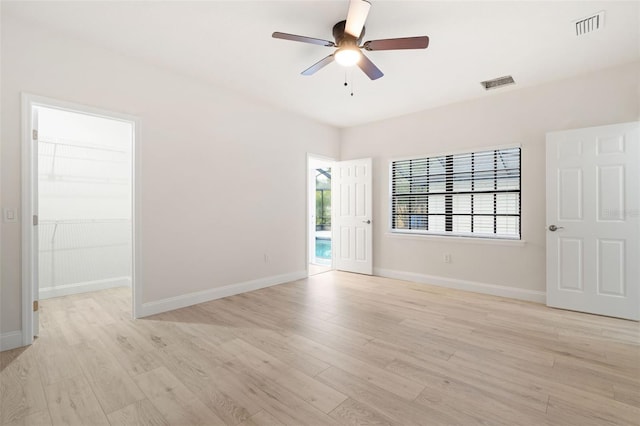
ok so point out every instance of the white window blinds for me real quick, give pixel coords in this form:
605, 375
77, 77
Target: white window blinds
472, 194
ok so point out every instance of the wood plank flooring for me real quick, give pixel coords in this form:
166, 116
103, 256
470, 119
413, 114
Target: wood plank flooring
335, 348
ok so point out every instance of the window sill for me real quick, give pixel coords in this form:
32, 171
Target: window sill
458, 239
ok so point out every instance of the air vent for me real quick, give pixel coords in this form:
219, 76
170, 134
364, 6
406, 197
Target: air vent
497, 82
590, 24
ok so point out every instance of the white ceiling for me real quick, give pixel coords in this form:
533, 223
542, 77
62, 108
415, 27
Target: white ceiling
229, 43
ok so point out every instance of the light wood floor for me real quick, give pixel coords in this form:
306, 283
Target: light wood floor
318, 269
333, 349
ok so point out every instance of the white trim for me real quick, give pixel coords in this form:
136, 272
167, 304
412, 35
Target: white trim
28, 102
74, 107
83, 287
136, 216
10, 340
27, 226
473, 286
457, 152
457, 239
182, 301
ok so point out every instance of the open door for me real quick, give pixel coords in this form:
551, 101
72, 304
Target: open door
34, 221
352, 205
593, 220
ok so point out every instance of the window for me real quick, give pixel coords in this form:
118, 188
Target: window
475, 194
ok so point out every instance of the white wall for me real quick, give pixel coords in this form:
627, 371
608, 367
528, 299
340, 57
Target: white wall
511, 117
223, 176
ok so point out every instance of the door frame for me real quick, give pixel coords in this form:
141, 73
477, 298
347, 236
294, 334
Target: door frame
310, 158
29, 180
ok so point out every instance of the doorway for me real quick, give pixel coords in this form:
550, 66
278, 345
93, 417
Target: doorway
79, 215
320, 248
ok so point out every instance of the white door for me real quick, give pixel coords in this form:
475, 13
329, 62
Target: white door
593, 220
351, 200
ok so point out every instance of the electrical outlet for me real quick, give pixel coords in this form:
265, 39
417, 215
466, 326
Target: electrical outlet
447, 258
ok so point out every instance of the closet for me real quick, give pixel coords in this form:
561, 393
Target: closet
84, 202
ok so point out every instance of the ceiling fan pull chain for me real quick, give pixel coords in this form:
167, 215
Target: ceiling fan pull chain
352, 85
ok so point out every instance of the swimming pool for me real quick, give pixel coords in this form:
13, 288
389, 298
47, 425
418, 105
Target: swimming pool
323, 248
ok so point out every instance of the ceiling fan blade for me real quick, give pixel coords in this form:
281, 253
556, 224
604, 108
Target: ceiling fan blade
369, 68
293, 37
357, 15
318, 65
397, 43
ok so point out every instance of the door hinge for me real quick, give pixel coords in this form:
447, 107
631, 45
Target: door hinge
34, 134
35, 220
35, 306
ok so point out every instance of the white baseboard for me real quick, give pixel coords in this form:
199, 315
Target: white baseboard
83, 287
477, 287
10, 340
177, 302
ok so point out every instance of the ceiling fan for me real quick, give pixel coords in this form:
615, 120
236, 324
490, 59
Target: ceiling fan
348, 35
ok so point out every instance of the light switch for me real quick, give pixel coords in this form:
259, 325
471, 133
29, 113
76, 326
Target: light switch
10, 215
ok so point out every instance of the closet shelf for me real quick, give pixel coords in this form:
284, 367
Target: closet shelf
83, 179
81, 221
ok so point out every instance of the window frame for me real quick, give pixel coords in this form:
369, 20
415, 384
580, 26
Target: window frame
450, 234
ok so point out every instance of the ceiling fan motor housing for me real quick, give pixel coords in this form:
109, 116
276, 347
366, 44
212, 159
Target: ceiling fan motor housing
344, 39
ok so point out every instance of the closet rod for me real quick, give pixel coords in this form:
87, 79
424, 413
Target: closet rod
81, 221
83, 146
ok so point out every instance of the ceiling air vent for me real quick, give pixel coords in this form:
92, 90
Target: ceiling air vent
497, 82
590, 24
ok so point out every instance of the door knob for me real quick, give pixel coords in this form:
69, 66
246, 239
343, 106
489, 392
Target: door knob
366, 221
554, 228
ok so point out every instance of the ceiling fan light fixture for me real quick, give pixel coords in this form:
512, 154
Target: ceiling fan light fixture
347, 57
